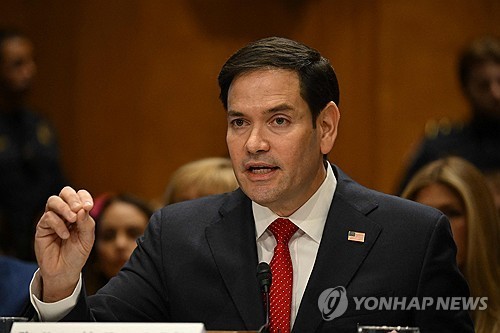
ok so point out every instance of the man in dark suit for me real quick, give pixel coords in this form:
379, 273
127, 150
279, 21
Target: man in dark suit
197, 260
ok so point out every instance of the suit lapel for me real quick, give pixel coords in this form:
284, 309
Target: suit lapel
338, 259
233, 246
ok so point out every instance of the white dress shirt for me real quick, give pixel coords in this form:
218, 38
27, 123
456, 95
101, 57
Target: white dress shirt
310, 218
304, 244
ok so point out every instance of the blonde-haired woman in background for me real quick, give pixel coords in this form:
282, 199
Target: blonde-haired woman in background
460, 191
207, 176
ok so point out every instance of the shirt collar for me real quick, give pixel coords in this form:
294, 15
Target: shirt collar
310, 218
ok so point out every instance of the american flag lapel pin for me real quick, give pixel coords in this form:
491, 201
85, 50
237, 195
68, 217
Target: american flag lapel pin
355, 236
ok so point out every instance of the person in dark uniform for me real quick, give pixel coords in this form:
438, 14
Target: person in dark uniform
29, 156
477, 140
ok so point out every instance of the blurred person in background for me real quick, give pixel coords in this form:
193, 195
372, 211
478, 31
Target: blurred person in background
29, 156
120, 220
207, 176
478, 140
460, 191
15, 277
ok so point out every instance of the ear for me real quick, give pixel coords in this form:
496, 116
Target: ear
327, 124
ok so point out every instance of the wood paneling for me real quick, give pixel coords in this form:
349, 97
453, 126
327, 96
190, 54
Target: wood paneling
131, 85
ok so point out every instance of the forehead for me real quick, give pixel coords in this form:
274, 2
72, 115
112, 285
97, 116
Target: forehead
438, 194
119, 213
263, 86
15, 46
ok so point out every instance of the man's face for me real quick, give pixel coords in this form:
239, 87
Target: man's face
277, 155
17, 67
483, 89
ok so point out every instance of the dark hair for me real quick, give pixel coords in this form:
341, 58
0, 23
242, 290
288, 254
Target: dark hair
133, 200
317, 79
481, 50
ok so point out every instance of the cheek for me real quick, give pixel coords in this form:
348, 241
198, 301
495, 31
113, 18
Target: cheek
131, 244
233, 145
459, 230
131, 248
308, 148
105, 251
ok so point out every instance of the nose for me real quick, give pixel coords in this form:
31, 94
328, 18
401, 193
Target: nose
122, 241
257, 142
29, 70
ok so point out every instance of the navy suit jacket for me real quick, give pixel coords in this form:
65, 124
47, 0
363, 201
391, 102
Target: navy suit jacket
197, 263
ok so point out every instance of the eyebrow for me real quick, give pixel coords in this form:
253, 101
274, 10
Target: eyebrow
277, 108
280, 107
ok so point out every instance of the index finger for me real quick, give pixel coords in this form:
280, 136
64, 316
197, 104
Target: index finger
76, 200
58, 206
86, 199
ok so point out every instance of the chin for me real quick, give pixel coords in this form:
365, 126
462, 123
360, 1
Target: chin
263, 199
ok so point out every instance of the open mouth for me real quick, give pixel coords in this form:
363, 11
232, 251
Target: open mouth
261, 169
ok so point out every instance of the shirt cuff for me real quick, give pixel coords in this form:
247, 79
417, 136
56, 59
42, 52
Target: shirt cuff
52, 311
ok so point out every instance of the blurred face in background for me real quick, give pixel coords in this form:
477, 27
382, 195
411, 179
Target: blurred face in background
445, 199
483, 89
17, 65
119, 227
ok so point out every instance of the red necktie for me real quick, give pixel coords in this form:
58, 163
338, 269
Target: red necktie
282, 272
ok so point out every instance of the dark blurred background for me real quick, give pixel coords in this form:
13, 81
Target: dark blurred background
131, 85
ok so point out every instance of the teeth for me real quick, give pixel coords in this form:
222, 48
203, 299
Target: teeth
261, 170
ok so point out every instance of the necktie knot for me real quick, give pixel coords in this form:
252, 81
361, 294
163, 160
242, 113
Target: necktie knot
283, 230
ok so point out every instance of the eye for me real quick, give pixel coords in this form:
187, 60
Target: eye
237, 122
108, 235
455, 213
280, 121
134, 233
18, 63
452, 213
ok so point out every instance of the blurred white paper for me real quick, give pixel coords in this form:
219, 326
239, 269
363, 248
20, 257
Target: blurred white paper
36, 327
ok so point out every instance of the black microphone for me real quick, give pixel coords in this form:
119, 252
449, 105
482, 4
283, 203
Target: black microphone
265, 278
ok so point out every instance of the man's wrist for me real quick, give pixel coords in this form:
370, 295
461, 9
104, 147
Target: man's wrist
56, 290
52, 311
